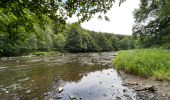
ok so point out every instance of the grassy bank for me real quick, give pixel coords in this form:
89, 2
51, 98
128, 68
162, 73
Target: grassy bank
145, 62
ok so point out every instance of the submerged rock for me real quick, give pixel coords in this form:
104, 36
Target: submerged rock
59, 97
25, 79
105, 95
129, 84
72, 97
7, 92
3, 89
60, 89
124, 90
147, 88
50, 99
1, 68
118, 98
28, 91
128, 97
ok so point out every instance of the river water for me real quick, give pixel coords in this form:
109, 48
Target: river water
82, 76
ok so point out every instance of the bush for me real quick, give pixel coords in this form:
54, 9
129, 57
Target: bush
10, 50
145, 62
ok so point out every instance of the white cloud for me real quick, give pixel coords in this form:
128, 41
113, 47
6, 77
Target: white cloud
73, 19
121, 19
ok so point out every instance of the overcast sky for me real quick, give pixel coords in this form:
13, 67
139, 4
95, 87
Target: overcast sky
121, 19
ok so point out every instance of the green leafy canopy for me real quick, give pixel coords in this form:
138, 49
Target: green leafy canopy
152, 22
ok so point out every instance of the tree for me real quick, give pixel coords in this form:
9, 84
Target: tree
125, 43
115, 42
81, 40
21, 19
103, 42
59, 41
75, 40
152, 22
59, 10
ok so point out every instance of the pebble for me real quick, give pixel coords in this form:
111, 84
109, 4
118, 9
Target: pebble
50, 99
118, 98
6, 91
124, 90
104, 95
25, 79
108, 73
72, 97
28, 91
60, 89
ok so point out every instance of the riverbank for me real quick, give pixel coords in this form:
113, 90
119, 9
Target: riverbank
146, 88
152, 63
145, 71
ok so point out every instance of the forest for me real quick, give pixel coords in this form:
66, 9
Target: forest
72, 38
24, 30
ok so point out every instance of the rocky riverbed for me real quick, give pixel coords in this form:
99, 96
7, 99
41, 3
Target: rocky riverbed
82, 76
146, 88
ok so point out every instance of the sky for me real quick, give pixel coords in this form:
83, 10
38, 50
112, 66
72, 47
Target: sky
121, 19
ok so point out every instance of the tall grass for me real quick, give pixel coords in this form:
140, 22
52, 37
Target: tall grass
145, 62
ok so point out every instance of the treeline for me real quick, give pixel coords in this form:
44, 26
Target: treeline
72, 38
29, 26
81, 40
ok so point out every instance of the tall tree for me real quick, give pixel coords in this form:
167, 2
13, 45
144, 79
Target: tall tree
152, 25
60, 9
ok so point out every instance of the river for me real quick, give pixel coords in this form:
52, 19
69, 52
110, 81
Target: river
86, 76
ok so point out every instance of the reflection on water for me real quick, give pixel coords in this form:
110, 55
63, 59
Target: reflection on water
88, 76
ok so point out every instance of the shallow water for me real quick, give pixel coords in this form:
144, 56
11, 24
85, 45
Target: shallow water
87, 76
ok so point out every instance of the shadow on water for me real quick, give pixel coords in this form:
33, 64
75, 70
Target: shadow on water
88, 76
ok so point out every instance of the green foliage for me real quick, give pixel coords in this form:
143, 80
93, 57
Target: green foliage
19, 28
40, 25
59, 41
103, 42
152, 22
10, 50
115, 42
59, 10
80, 40
145, 62
125, 43
73, 39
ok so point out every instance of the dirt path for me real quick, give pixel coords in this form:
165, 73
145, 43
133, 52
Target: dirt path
147, 89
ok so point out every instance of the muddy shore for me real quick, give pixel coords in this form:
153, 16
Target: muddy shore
146, 88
